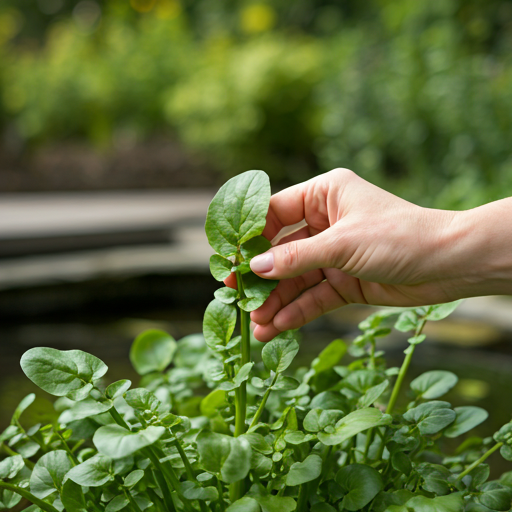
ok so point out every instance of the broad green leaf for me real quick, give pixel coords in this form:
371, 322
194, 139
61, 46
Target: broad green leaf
442, 310
220, 267
433, 384
450, 503
317, 419
256, 290
142, 399
84, 409
352, 424
118, 388
322, 507
330, 356
407, 321
241, 376
401, 462
212, 403
258, 443
435, 478
22, 406
9, 499
506, 452
238, 212
329, 400
431, 417
11, 466
72, 497
271, 503
48, 473
255, 246
302, 472
360, 483
193, 491
218, 323
118, 503
117, 442
229, 457
278, 354
226, 295
152, 351
373, 394
94, 472
245, 504
70, 373
468, 417
133, 478
298, 437
285, 383
495, 496
191, 351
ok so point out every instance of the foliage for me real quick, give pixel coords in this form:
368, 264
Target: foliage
218, 431
414, 96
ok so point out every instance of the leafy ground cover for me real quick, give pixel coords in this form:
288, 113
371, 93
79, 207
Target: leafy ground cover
212, 428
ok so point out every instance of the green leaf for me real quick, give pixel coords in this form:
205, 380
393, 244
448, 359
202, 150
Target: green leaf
212, 403
193, 491
118, 388
271, 503
118, 503
117, 442
317, 419
255, 246
495, 496
433, 384
218, 323
94, 472
302, 472
241, 376
220, 267
431, 417
48, 473
226, 295
84, 409
9, 499
329, 357
435, 478
245, 504
468, 417
142, 399
352, 424
229, 457
298, 437
360, 483
373, 394
238, 212
401, 462
72, 497
256, 290
442, 310
450, 503
152, 351
22, 406
278, 354
322, 507
134, 478
11, 466
407, 321
506, 452
70, 373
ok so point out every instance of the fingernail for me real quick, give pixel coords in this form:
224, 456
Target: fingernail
263, 263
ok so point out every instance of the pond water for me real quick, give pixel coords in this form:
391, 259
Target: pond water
107, 325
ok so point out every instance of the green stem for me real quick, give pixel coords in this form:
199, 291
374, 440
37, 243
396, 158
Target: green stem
403, 371
68, 450
497, 446
302, 500
118, 418
263, 402
133, 503
159, 477
28, 496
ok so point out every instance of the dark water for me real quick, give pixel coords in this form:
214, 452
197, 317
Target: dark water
104, 317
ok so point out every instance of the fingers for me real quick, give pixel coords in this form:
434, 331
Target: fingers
286, 208
299, 256
310, 305
285, 292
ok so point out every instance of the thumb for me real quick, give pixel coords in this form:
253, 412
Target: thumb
297, 257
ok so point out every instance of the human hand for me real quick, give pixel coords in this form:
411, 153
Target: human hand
361, 245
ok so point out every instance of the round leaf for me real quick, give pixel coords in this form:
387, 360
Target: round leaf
94, 472
360, 483
468, 417
48, 473
151, 351
278, 354
433, 384
302, 472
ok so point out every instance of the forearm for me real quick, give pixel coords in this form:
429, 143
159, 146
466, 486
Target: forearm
476, 251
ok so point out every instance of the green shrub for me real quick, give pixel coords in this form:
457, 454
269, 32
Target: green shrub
219, 431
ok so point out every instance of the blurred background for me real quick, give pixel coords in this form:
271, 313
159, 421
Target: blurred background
120, 118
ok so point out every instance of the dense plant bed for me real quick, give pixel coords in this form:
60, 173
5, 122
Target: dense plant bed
219, 432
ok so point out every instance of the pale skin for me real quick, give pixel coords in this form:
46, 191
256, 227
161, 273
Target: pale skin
364, 245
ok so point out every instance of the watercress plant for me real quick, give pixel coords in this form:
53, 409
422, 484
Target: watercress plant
212, 429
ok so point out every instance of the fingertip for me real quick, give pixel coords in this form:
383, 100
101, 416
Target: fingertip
230, 281
265, 333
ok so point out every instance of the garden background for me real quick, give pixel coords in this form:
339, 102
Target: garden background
413, 96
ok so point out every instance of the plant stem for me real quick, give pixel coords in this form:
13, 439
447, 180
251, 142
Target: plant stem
403, 370
236, 489
261, 407
159, 477
133, 503
118, 418
28, 496
303, 498
497, 446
